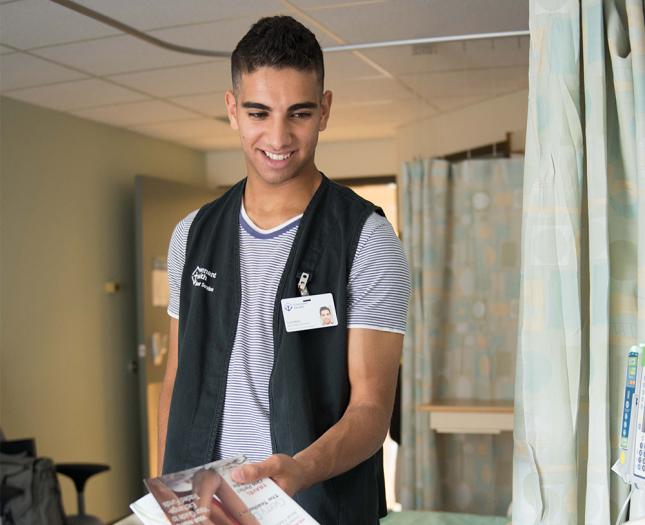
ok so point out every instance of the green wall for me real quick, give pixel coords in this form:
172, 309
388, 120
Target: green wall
67, 227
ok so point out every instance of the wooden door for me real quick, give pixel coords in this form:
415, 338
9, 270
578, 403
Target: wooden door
160, 205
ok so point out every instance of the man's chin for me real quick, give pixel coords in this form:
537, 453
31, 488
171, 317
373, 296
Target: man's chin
277, 177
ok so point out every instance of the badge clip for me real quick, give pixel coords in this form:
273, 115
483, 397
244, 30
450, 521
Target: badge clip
302, 284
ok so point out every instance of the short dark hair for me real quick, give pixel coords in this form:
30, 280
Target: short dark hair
323, 308
279, 42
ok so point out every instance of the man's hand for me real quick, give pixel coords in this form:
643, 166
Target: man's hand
288, 473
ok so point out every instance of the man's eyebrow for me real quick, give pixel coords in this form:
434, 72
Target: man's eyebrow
294, 107
303, 105
255, 105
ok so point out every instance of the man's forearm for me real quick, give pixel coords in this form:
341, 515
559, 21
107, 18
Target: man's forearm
357, 436
373, 359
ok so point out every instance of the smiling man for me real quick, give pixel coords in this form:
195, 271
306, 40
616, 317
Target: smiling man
248, 372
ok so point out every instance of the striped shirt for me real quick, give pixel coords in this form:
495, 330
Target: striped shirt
378, 294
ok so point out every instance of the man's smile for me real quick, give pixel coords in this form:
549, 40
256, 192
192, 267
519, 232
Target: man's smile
277, 156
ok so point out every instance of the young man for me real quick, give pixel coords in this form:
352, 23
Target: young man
310, 408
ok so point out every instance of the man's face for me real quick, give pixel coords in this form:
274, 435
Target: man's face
278, 113
325, 316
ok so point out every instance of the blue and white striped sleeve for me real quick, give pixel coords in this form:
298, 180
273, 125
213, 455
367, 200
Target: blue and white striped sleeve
176, 259
379, 281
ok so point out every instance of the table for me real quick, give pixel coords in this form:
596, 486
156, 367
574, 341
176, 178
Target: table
461, 416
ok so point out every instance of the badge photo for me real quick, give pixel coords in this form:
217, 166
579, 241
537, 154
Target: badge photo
309, 312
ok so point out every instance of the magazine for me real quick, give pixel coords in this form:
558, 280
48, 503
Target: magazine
207, 495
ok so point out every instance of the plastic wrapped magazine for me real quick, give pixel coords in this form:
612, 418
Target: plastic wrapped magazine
207, 495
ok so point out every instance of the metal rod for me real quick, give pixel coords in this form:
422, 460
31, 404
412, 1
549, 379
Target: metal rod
427, 40
80, 500
86, 11
104, 19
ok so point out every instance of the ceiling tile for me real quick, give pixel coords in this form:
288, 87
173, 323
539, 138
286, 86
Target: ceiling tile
136, 113
366, 89
319, 5
33, 23
323, 37
170, 130
375, 22
176, 81
469, 82
197, 23
76, 95
150, 14
452, 103
212, 143
390, 113
19, 70
211, 104
356, 132
119, 54
402, 60
185, 129
219, 36
343, 66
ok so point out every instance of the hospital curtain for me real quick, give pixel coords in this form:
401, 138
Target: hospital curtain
582, 301
461, 233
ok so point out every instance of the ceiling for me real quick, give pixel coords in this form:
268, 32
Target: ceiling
54, 57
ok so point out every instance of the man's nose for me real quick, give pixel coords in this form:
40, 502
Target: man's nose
279, 135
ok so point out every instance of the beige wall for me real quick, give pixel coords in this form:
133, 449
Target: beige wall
336, 159
469, 127
66, 213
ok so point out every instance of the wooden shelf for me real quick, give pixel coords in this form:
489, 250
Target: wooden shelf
459, 416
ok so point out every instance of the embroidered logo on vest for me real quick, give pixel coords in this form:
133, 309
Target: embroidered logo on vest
200, 277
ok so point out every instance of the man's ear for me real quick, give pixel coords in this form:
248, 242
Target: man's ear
231, 109
325, 108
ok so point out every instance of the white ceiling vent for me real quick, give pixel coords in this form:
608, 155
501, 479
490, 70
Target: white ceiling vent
424, 49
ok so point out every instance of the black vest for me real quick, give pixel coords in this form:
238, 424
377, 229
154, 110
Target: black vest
309, 386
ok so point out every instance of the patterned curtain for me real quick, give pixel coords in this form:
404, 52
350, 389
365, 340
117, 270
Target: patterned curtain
583, 257
461, 232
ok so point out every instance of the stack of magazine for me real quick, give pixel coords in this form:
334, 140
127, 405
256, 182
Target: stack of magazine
207, 495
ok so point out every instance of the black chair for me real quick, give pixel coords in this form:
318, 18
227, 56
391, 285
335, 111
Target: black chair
78, 472
19, 447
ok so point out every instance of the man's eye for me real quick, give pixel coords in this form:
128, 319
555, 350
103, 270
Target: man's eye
301, 115
258, 116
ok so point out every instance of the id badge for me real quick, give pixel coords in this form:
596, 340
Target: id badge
309, 312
